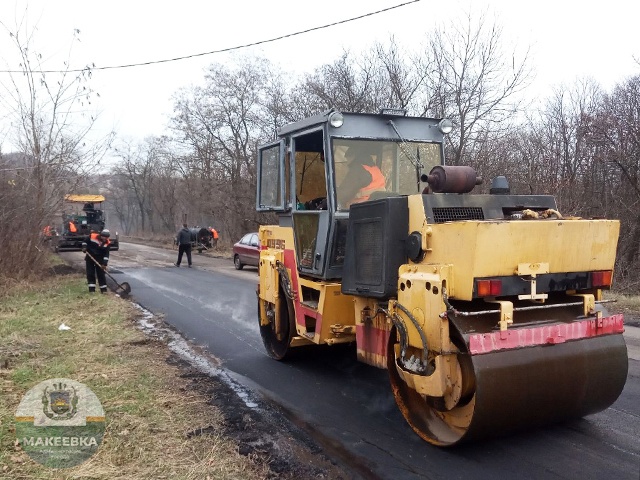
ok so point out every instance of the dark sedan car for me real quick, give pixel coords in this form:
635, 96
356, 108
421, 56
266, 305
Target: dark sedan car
246, 251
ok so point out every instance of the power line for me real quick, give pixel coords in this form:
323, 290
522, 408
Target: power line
223, 50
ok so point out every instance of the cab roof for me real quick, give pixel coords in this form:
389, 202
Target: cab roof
84, 198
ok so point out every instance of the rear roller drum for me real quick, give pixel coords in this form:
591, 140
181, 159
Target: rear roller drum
515, 389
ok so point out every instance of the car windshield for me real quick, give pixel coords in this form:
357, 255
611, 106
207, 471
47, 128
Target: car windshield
363, 167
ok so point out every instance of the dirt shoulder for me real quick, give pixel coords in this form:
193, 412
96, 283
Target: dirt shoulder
165, 417
220, 251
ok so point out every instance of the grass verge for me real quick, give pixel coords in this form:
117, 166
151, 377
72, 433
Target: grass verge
148, 406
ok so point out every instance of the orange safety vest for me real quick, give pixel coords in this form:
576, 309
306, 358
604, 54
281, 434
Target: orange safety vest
214, 232
377, 184
96, 238
72, 227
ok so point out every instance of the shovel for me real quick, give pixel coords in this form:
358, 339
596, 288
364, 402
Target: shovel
124, 286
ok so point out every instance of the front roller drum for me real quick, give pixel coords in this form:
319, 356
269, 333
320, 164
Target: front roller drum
518, 389
277, 333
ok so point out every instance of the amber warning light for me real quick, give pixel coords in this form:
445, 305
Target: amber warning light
489, 288
601, 278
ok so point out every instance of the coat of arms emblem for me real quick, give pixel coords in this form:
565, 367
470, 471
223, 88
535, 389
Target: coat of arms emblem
59, 403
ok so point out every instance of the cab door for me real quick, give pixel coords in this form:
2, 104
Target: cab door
311, 214
272, 189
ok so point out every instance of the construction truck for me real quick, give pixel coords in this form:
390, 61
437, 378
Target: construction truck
81, 216
487, 310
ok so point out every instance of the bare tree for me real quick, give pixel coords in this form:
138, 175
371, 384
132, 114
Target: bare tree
220, 126
123, 204
613, 134
350, 84
559, 159
135, 168
51, 118
471, 79
402, 80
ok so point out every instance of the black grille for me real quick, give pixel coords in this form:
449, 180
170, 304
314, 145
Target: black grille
451, 214
369, 238
375, 247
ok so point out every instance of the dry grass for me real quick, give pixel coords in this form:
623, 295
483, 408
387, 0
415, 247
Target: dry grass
165, 240
149, 408
629, 304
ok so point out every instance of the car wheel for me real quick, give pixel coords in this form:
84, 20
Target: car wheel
237, 263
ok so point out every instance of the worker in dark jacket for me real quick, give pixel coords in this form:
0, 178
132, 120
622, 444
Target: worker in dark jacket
183, 239
98, 248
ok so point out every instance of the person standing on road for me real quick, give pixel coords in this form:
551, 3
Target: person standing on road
183, 238
98, 248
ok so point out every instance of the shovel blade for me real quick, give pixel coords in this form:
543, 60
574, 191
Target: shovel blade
125, 287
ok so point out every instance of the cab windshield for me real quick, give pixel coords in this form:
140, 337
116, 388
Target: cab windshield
366, 169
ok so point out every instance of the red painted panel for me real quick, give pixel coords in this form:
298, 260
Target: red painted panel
372, 339
544, 335
290, 263
301, 310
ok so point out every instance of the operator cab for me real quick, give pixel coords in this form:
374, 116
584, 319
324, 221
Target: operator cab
313, 172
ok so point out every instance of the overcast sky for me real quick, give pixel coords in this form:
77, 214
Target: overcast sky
568, 40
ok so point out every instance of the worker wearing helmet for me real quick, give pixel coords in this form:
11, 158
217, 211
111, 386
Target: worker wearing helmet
96, 259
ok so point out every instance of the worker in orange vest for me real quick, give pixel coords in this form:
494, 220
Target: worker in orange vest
98, 248
214, 237
362, 179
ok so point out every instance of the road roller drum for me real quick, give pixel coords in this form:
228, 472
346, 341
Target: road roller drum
519, 388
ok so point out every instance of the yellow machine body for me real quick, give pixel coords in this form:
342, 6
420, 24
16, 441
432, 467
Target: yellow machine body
323, 315
487, 310
496, 248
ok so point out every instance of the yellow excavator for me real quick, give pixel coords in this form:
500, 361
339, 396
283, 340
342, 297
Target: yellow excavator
486, 309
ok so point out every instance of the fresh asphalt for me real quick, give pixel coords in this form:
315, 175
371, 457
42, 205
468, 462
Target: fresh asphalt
348, 406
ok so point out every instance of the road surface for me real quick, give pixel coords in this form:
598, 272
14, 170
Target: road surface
348, 406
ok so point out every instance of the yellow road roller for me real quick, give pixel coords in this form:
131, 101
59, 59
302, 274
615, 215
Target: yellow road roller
486, 309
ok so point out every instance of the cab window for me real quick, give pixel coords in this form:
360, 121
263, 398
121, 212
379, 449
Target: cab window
271, 179
310, 181
365, 168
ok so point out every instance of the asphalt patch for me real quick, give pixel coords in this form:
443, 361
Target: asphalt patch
263, 432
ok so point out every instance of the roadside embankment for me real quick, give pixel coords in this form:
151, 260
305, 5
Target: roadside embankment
150, 408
